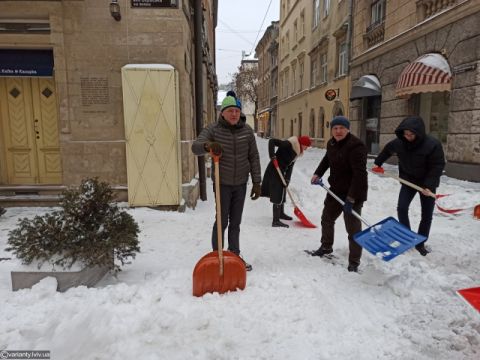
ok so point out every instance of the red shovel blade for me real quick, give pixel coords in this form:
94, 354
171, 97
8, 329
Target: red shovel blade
476, 212
448, 211
472, 296
305, 222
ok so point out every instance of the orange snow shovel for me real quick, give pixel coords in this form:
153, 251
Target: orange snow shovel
298, 213
219, 271
471, 296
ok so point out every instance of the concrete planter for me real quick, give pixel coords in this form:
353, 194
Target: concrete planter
66, 279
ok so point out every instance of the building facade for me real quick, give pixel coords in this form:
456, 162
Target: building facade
62, 109
267, 54
419, 57
314, 82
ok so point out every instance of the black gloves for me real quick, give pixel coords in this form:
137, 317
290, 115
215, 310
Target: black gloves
214, 147
256, 191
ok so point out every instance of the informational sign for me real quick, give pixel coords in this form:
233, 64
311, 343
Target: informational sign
28, 63
330, 94
154, 3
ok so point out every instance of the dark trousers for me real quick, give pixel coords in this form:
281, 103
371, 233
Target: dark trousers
232, 200
331, 211
427, 203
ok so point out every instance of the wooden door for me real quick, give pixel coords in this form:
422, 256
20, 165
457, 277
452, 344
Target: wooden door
29, 126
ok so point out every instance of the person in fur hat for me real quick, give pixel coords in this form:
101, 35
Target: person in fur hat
288, 151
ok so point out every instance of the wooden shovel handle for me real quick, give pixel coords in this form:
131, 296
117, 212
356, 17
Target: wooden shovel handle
218, 207
275, 164
408, 183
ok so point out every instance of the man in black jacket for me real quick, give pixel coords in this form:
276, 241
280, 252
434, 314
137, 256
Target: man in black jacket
234, 141
421, 161
346, 158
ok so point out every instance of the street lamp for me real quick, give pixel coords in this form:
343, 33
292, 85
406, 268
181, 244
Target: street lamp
115, 10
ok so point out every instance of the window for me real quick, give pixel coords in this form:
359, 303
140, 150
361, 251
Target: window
326, 7
323, 68
378, 12
295, 32
302, 24
314, 71
316, 13
321, 123
311, 128
342, 59
287, 42
286, 79
294, 78
300, 75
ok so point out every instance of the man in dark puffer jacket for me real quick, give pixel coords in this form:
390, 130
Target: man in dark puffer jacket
421, 161
346, 158
234, 141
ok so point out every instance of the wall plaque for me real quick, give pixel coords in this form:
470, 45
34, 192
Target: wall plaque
94, 91
155, 3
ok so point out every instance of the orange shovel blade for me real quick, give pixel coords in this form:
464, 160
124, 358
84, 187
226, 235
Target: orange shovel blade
476, 212
206, 275
303, 219
472, 296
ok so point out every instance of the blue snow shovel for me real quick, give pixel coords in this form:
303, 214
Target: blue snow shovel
386, 239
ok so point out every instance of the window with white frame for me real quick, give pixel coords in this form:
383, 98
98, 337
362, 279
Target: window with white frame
294, 78
342, 59
378, 12
313, 71
301, 69
326, 8
316, 13
323, 68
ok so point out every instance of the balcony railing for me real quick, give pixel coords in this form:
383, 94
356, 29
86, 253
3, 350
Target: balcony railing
427, 8
375, 32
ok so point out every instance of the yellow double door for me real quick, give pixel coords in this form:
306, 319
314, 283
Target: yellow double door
29, 131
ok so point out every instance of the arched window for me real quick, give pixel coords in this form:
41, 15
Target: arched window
291, 127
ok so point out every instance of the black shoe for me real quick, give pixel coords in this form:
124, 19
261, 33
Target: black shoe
422, 249
321, 252
352, 268
248, 267
278, 223
284, 216
2, 211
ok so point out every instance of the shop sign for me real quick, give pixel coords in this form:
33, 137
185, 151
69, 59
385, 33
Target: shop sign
330, 94
154, 3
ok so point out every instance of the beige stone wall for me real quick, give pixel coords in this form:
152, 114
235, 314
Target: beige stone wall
89, 45
310, 101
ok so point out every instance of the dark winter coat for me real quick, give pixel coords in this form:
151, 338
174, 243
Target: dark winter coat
347, 161
272, 185
421, 161
240, 154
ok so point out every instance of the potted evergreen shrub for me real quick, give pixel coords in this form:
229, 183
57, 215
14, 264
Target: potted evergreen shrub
89, 230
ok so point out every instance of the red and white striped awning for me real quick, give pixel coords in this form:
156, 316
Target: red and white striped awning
429, 73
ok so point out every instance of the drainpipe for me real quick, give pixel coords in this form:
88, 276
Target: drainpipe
197, 20
349, 38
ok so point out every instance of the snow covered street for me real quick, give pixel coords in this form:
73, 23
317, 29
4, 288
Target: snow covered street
294, 306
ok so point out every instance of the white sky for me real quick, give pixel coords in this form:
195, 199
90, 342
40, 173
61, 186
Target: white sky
237, 29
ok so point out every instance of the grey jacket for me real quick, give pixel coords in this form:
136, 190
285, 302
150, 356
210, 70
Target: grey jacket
240, 154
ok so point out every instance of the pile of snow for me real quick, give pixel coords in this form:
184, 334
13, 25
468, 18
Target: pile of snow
294, 306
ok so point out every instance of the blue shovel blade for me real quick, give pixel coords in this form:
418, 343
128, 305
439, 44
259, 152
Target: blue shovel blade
388, 239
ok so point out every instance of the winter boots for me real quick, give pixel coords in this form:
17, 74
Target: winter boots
321, 252
2, 211
422, 249
277, 215
284, 216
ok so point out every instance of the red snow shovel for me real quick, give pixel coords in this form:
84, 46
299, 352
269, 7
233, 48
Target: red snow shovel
471, 296
298, 213
219, 271
418, 188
